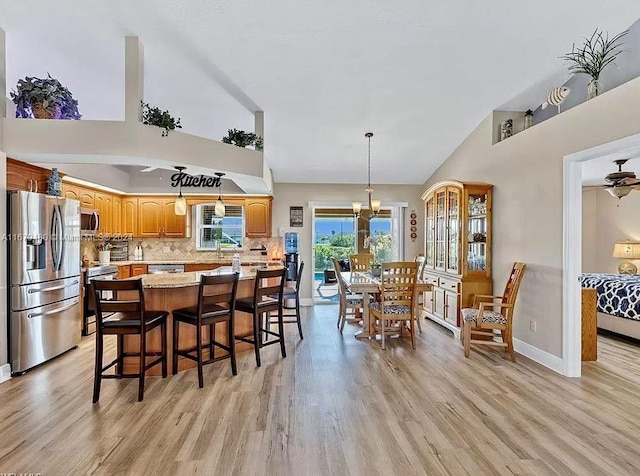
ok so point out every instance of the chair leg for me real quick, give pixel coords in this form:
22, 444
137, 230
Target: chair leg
97, 378
199, 354
299, 317
256, 335
163, 332
418, 321
281, 332
120, 350
174, 363
383, 325
412, 330
212, 339
512, 353
232, 347
343, 317
466, 337
267, 325
143, 351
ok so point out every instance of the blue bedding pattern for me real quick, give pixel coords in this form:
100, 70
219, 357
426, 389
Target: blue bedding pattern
618, 294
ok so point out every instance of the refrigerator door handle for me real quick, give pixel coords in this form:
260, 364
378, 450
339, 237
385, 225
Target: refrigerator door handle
54, 288
57, 242
52, 311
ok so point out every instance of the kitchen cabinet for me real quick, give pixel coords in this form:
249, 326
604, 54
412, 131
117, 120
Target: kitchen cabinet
138, 269
85, 196
191, 267
258, 217
129, 220
116, 224
157, 218
458, 227
104, 205
124, 271
27, 177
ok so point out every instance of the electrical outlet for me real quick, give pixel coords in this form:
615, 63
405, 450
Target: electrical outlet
532, 326
166, 249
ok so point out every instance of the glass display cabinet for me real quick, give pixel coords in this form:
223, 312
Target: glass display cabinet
457, 248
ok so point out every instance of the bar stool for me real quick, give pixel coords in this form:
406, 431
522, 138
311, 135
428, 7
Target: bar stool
291, 293
216, 303
267, 297
128, 317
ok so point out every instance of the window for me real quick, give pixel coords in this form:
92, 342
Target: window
209, 229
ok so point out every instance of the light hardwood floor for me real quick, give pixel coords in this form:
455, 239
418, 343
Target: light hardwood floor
334, 406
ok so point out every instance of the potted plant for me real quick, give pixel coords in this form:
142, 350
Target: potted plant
597, 52
44, 99
243, 139
154, 116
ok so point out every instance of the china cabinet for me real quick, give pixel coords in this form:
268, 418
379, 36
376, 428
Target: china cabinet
457, 248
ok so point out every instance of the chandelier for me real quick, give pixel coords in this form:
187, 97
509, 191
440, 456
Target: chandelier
374, 205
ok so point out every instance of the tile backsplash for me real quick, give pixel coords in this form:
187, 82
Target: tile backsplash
175, 249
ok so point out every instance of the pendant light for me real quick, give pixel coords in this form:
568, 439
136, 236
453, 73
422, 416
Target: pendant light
181, 203
374, 205
219, 209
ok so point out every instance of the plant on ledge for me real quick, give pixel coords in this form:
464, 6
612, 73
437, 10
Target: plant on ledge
597, 52
44, 99
153, 116
243, 139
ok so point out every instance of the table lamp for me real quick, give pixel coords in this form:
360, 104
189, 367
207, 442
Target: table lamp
627, 250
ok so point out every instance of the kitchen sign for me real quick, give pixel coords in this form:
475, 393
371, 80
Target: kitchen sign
180, 179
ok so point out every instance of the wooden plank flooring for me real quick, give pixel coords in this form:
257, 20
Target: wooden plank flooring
334, 406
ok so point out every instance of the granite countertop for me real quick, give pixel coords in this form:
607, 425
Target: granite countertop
246, 261
183, 280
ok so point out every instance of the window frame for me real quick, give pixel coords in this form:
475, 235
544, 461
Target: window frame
198, 226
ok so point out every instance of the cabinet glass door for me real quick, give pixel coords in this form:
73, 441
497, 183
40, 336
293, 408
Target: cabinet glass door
477, 233
453, 226
441, 225
430, 234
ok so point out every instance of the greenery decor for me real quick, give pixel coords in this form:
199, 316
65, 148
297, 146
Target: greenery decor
153, 116
243, 139
596, 53
44, 99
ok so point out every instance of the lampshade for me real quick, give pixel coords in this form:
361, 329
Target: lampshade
357, 207
180, 206
375, 205
626, 250
219, 209
619, 192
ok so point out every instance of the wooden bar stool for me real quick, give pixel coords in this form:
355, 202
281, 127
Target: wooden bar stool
216, 303
291, 293
267, 297
127, 316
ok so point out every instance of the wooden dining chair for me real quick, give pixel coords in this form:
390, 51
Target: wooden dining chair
348, 300
397, 294
361, 262
420, 260
491, 313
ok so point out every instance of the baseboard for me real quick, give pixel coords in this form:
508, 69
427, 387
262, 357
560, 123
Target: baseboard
5, 372
550, 361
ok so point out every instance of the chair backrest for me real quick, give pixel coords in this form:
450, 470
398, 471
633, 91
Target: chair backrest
398, 282
361, 261
341, 283
118, 296
420, 259
299, 277
220, 290
513, 283
269, 283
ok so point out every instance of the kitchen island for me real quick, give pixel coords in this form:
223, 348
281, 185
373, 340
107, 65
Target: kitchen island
174, 291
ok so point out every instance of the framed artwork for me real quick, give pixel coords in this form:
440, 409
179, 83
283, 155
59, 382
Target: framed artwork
295, 216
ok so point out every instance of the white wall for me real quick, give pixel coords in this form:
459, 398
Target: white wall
527, 171
287, 195
610, 220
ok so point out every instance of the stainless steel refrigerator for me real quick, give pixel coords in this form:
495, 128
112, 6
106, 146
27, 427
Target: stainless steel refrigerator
44, 272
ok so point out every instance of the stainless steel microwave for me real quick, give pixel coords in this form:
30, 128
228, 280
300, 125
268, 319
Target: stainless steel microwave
89, 221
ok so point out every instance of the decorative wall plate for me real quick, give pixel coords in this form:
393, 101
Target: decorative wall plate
414, 222
413, 215
414, 228
414, 236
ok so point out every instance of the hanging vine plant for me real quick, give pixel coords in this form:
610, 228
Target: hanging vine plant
243, 139
154, 116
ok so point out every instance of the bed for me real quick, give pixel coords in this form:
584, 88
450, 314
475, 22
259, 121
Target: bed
618, 301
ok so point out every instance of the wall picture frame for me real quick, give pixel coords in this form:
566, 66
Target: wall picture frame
296, 216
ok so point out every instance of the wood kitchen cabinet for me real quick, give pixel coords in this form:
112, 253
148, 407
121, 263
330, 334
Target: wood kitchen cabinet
258, 217
124, 271
138, 269
192, 267
157, 218
116, 224
27, 177
85, 196
129, 220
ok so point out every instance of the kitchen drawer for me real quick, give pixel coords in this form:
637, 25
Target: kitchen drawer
449, 284
138, 269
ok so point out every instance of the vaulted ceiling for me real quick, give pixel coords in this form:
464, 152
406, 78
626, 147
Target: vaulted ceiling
420, 74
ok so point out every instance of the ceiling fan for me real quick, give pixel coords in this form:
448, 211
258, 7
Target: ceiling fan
619, 184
